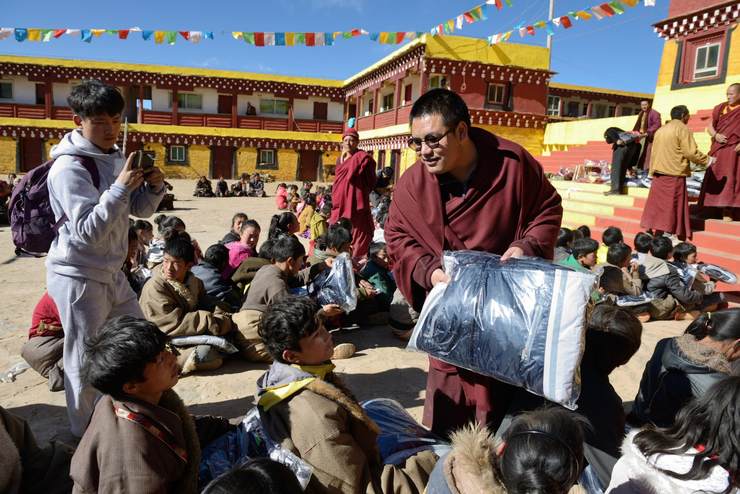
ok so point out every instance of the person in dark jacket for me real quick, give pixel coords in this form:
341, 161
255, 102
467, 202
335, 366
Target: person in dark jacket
236, 228
210, 271
684, 367
625, 153
662, 281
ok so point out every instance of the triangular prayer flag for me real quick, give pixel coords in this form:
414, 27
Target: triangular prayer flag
185, 35
539, 24
310, 39
46, 35
195, 36
631, 3
97, 32
236, 34
506, 36
606, 9
34, 35
289, 39
279, 39
59, 33
300, 38
259, 39
549, 28
269, 39
328, 39
123, 33
248, 38
400, 37
171, 37
459, 21
159, 37
583, 15
146, 35
468, 17
86, 35
565, 22
598, 12
114, 32
530, 30
617, 7
508, 3
208, 35
556, 21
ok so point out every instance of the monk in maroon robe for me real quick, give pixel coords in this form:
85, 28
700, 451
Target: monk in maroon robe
721, 186
469, 190
353, 181
648, 122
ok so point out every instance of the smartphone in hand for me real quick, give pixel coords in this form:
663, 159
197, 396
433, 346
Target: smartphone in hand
143, 161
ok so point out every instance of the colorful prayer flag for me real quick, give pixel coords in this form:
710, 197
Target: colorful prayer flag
269, 39
400, 37
310, 39
617, 7
145, 35
598, 12
171, 37
159, 37
565, 22
300, 38
86, 35
631, 3
59, 33
34, 35
185, 35
248, 38
606, 8
97, 32
123, 33
289, 39
259, 39
279, 39
46, 35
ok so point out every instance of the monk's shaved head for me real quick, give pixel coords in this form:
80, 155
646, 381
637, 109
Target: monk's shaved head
733, 94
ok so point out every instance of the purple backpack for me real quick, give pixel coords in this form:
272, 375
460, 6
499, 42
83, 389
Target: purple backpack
32, 221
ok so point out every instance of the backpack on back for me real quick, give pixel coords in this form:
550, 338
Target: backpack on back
32, 221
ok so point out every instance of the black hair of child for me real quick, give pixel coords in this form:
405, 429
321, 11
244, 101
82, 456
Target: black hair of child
661, 247
683, 251
164, 222
132, 235
119, 352
565, 237
217, 255
618, 253
585, 231
584, 246
611, 236
337, 237
143, 225
345, 223
250, 224
265, 251
642, 242
325, 210
285, 322
238, 216
721, 325
286, 247
280, 224
181, 246
375, 249
448, 104
93, 98
257, 476
613, 336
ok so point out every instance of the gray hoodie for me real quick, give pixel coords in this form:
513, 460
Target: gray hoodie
92, 244
279, 374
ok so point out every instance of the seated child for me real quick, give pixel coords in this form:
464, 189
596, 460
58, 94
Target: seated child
698, 452
167, 225
685, 259
210, 271
541, 452
642, 246
304, 218
203, 188
244, 248
318, 226
563, 245
236, 228
141, 437
145, 233
176, 301
377, 272
247, 270
379, 219
611, 236
619, 276
256, 186
662, 281
306, 408
282, 224
222, 188
256, 476
306, 188
44, 348
281, 196
271, 283
583, 255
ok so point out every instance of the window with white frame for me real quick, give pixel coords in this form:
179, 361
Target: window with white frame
6, 90
188, 101
496, 94
177, 154
266, 159
707, 61
274, 106
553, 106
387, 102
437, 81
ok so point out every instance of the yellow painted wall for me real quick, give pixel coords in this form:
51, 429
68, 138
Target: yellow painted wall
7, 155
287, 165
530, 139
198, 156
408, 158
560, 135
48, 144
246, 161
478, 50
328, 163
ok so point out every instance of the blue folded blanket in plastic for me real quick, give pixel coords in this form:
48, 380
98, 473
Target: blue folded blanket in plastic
521, 321
718, 273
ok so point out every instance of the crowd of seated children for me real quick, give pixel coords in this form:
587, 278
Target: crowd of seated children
684, 367
281, 196
685, 259
245, 247
203, 188
306, 213
211, 272
583, 255
236, 228
256, 186
319, 226
45, 345
612, 235
176, 301
619, 274
271, 283
563, 245
540, 452
141, 437
282, 224
697, 452
222, 188
305, 407
247, 270
166, 224
241, 187
661, 280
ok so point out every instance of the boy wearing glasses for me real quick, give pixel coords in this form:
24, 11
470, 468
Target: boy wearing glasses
141, 437
469, 189
354, 180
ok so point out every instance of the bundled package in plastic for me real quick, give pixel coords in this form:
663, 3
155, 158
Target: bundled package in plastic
337, 286
521, 321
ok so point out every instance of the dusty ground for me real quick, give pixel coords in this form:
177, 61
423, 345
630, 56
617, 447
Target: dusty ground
382, 366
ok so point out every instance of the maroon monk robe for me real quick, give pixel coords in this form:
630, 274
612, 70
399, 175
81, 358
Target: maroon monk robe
667, 206
508, 202
350, 198
649, 126
721, 186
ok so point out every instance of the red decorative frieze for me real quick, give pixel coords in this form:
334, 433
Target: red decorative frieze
487, 72
712, 17
390, 70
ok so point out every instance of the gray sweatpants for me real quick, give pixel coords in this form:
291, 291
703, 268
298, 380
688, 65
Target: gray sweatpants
84, 306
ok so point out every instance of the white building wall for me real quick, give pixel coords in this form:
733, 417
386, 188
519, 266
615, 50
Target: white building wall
61, 93
241, 103
303, 109
24, 91
335, 112
161, 100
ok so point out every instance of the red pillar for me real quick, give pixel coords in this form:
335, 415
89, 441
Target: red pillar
140, 109
397, 97
48, 99
234, 115
175, 105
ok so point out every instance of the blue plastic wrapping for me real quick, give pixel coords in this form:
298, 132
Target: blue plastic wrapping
400, 435
337, 286
521, 322
718, 273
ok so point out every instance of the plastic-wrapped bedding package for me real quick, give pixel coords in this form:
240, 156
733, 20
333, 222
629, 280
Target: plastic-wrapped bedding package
337, 286
521, 321
718, 273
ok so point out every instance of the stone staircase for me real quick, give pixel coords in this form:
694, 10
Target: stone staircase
585, 204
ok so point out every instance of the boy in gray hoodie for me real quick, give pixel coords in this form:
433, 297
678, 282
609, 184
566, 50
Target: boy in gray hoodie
83, 267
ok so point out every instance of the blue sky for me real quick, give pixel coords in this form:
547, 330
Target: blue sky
621, 52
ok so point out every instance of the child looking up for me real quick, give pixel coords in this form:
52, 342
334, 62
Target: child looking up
245, 247
583, 255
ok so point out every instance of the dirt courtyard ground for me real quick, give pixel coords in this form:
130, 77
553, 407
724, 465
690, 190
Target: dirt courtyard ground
382, 366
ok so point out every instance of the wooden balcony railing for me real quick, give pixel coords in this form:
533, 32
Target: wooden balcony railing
388, 118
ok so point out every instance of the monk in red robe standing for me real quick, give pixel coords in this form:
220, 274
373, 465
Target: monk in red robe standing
721, 187
648, 123
472, 190
350, 198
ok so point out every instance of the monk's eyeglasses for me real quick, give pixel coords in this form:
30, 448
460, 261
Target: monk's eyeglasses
431, 141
